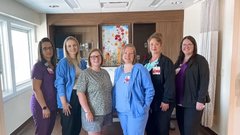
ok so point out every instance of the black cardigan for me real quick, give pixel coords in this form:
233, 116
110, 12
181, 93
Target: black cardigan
196, 81
164, 84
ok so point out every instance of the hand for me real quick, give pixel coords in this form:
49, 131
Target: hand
164, 106
66, 109
200, 106
46, 113
89, 116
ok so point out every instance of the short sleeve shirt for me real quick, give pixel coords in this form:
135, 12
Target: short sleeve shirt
97, 87
41, 72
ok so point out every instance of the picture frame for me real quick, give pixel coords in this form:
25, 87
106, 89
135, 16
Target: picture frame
113, 37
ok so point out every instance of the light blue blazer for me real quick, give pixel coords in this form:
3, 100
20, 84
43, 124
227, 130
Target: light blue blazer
141, 90
65, 78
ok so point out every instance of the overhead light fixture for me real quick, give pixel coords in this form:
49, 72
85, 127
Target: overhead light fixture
72, 3
120, 4
54, 6
176, 2
156, 3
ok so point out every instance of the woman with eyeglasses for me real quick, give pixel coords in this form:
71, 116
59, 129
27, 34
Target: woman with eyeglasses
192, 80
43, 101
67, 72
94, 90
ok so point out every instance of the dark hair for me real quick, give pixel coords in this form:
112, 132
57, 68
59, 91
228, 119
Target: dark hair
40, 51
181, 54
95, 50
134, 51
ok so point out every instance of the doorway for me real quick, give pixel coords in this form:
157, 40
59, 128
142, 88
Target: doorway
141, 33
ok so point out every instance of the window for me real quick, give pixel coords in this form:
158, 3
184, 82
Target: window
16, 58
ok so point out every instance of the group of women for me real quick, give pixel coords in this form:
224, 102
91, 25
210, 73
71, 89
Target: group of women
143, 95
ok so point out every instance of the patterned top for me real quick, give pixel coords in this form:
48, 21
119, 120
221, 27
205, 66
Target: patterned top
98, 89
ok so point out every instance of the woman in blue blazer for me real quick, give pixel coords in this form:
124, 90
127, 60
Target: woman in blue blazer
67, 72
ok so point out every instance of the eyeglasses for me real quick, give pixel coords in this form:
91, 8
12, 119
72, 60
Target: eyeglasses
47, 48
94, 56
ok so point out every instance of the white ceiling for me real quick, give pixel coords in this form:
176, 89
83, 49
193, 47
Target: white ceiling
94, 6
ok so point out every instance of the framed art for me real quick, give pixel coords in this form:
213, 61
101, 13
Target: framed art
112, 39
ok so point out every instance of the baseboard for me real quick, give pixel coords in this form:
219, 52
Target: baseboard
20, 128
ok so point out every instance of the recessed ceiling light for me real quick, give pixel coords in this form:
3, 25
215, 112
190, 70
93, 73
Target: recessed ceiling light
53, 6
176, 2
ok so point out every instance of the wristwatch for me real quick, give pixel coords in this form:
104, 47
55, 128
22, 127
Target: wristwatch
44, 108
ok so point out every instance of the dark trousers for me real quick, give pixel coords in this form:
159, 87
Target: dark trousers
189, 120
159, 122
71, 125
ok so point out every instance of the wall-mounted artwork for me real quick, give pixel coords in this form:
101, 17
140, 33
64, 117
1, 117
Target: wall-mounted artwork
112, 39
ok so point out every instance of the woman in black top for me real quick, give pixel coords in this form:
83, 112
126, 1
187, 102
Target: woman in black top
162, 73
192, 79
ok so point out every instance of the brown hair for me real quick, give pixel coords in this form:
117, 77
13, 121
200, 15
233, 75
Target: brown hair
40, 51
157, 36
181, 54
95, 50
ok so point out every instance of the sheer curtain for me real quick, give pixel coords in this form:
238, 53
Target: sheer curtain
209, 49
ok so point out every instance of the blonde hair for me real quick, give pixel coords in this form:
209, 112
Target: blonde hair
134, 52
66, 54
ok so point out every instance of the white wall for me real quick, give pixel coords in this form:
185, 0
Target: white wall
192, 21
17, 109
234, 111
14, 9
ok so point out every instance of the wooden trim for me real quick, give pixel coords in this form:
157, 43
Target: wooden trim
123, 17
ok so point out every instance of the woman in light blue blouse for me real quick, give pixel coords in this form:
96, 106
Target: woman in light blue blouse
67, 72
132, 93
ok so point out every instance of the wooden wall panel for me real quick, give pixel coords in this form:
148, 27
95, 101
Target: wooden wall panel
172, 35
169, 23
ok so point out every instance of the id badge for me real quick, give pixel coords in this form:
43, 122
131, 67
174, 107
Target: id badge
156, 70
50, 71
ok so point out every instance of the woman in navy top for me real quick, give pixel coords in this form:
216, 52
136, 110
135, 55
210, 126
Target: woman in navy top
192, 79
67, 72
162, 73
132, 93
43, 101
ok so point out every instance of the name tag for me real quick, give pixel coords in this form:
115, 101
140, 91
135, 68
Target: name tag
126, 79
50, 71
156, 71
